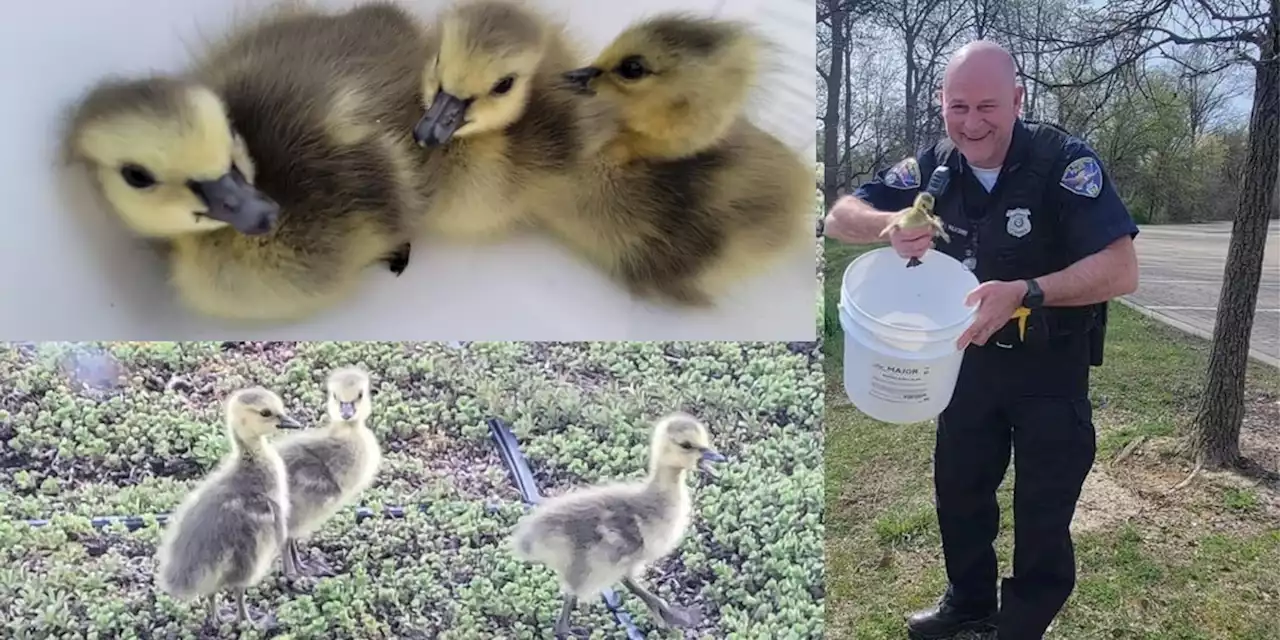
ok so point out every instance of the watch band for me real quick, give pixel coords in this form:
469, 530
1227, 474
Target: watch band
1034, 296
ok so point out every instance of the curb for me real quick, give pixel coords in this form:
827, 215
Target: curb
1254, 354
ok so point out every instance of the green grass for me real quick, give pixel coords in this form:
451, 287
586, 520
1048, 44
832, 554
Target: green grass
114, 429
1198, 564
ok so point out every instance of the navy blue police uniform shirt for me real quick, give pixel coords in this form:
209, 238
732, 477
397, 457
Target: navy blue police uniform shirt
1091, 214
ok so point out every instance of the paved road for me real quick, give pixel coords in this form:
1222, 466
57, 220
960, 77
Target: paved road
1181, 277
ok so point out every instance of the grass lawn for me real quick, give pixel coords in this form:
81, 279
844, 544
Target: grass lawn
115, 429
1199, 563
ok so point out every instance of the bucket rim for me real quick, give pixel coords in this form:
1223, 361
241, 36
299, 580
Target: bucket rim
888, 350
844, 300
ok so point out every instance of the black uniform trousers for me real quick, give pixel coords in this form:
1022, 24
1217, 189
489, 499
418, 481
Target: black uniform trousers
1035, 402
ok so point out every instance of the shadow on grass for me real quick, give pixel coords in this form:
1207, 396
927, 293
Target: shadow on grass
1197, 564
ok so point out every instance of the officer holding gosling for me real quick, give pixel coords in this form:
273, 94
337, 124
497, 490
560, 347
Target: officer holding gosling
1031, 212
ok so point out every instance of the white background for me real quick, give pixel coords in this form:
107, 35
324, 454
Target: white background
71, 272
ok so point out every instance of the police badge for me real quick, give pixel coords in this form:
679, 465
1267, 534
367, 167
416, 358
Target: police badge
1019, 223
904, 175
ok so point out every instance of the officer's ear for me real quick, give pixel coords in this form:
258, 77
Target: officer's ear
1019, 92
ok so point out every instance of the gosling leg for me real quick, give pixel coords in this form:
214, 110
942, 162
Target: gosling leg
242, 609
289, 559
562, 629
295, 559
669, 615
211, 610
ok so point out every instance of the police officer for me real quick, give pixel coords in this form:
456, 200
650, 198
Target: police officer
1030, 211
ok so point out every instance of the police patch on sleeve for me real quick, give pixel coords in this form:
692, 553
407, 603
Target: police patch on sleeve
904, 175
1083, 177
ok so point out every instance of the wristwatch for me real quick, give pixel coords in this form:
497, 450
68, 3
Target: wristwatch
1034, 297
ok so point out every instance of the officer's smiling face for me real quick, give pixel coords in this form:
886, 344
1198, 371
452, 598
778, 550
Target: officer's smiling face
981, 101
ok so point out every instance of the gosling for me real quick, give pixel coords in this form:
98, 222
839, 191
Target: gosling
502, 132
595, 537
225, 534
680, 83
277, 169
690, 197
328, 467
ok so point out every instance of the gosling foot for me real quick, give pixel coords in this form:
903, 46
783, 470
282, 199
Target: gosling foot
265, 622
398, 260
316, 569
679, 617
684, 294
571, 632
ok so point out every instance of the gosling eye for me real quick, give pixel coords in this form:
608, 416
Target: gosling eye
266, 413
687, 446
359, 396
504, 85
631, 68
198, 190
137, 176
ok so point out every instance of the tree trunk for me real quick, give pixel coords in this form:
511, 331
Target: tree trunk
1216, 430
831, 119
846, 180
909, 110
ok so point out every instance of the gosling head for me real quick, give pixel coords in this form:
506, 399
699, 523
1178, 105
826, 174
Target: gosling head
255, 413
349, 395
165, 157
478, 76
672, 68
680, 440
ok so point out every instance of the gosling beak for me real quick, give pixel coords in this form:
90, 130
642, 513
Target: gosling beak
287, 422
347, 410
580, 79
709, 456
231, 199
443, 118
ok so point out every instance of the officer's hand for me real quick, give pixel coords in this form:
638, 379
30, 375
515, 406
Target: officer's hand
844, 220
911, 242
996, 302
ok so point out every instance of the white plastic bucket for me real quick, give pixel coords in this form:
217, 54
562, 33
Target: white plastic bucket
900, 328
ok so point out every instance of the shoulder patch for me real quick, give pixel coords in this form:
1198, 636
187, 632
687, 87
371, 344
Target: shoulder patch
904, 175
1083, 177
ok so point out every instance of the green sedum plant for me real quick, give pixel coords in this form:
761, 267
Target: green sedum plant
110, 429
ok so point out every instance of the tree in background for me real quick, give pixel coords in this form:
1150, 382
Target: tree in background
1226, 33
882, 61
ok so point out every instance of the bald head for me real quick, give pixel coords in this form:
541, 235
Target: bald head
985, 58
981, 100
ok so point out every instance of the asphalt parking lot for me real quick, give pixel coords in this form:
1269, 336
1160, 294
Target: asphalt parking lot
1181, 268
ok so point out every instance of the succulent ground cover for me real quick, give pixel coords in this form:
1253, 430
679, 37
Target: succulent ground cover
125, 428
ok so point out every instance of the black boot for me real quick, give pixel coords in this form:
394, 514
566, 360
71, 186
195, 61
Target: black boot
946, 620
